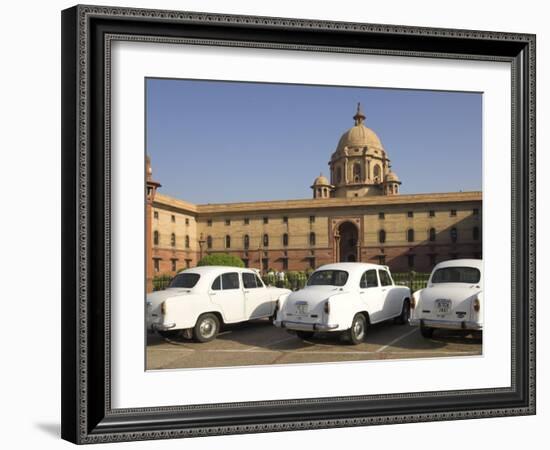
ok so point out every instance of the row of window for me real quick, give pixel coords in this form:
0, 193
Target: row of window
265, 219
156, 239
431, 213
411, 259
453, 233
265, 240
172, 217
246, 220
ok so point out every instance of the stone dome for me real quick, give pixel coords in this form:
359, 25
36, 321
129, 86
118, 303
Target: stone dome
391, 176
321, 180
359, 136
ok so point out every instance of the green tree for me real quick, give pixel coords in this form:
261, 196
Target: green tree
221, 259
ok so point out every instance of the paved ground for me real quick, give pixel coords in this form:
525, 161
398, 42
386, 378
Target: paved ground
259, 342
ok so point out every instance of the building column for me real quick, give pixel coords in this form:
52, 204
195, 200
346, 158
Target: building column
150, 191
366, 177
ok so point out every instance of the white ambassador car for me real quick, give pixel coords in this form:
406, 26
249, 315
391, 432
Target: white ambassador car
453, 298
199, 300
344, 297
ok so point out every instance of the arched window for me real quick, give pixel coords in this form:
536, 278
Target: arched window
312, 238
318, 192
227, 241
432, 234
156, 237
173, 239
186, 241
246, 241
410, 235
209, 241
285, 239
382, 236
356, 172
475, 233
454, 234
266, 240
376, 173
338, 174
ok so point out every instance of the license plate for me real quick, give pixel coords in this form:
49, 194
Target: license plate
443, 306
301, 308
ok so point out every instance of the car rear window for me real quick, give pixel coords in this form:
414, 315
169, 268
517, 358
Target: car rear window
469, 275
328, 278
185, 280
251, 281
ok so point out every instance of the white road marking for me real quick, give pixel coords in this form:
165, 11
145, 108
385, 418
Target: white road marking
381, 349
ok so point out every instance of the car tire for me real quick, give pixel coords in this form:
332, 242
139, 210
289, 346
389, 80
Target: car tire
305, 334
403, 318
426, 332
206, 328
356, 334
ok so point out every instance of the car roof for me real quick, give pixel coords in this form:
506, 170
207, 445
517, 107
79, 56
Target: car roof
203, 270
351, 267
477, 263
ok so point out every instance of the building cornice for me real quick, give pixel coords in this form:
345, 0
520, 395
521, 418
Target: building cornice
313, 204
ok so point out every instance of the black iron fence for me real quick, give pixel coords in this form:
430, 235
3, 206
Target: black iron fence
297, 280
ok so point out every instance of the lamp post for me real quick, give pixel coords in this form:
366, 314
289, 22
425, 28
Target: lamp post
201, 244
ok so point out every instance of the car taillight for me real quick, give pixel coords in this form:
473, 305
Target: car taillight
163, 308
477, 305
327, 307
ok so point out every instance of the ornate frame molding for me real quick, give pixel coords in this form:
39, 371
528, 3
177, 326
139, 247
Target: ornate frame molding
88, 31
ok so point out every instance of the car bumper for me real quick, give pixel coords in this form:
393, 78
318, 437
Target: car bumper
162, 326
446, 324
301, 326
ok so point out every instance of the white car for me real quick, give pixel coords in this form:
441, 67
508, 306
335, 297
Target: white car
453, 298
344, 297
199, 300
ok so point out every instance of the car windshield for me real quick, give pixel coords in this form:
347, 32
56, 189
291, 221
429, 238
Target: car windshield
184, 280
469, 275
328, 278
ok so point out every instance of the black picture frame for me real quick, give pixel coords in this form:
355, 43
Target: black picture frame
87, 416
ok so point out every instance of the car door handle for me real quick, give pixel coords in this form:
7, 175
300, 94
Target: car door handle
362, 292
246, 292
212, 293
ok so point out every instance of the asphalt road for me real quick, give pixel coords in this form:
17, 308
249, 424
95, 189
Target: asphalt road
259, 342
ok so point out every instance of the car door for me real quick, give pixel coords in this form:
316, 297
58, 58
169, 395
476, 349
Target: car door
257, 300
226, 292
389, 299
370, 294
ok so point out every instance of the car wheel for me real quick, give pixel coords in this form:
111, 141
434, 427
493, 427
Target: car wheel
403, 318
426, 332
305, 334
358, 329
206, 328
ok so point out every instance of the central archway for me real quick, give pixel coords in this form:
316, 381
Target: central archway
349, 235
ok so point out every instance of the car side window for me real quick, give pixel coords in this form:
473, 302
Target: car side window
230, 281
217, 284
249, 281
259, 282
369, 279
385, 279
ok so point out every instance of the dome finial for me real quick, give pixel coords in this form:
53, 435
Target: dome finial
359, 116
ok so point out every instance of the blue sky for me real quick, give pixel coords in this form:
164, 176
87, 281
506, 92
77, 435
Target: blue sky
214, 141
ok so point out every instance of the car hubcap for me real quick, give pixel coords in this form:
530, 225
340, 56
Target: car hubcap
359, 329
207, 328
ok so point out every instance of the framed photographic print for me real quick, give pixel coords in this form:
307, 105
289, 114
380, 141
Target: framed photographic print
282, 224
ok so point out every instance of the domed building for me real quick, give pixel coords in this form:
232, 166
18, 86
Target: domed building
360, 164
357, 214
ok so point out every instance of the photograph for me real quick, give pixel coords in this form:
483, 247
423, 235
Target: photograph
303, 224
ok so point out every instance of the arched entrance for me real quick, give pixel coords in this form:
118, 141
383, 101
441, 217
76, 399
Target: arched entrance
348, 245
